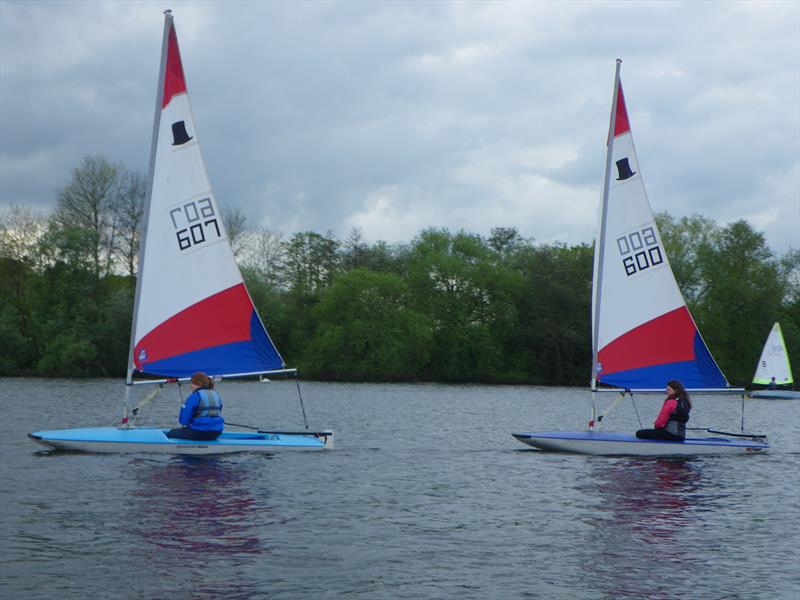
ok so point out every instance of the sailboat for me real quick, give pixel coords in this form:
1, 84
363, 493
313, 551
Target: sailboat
774, 368
192, 311
642, 332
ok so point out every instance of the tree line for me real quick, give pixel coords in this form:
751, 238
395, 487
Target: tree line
446, 306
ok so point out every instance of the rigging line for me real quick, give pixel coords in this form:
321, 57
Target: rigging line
303, 408
636, 409
742, 411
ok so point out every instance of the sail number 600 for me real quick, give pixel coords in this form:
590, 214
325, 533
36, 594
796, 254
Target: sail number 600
193, 222
639, 250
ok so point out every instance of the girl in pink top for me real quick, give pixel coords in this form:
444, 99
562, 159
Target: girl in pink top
671, 421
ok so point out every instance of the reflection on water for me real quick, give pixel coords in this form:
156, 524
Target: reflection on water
648, 498
195, 515
644, 514
197, 504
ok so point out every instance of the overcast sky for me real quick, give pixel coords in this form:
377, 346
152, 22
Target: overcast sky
397, 116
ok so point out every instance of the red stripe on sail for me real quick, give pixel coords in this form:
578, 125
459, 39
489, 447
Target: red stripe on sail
621, 125
223, 318
666, 339
174, 82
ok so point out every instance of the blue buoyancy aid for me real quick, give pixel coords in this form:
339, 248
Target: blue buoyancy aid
210, 404
203, 411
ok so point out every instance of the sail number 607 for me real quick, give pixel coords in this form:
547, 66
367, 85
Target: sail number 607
194, 222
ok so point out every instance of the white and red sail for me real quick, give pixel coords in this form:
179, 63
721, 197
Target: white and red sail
193, 312
643, 334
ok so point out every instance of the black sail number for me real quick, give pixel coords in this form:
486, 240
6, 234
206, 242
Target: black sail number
195, 222
640, 250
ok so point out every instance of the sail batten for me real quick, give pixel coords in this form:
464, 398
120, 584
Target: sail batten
643, 333
192, 309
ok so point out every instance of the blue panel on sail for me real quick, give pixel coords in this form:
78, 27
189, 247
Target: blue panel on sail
251, 356
700, 373
707, 366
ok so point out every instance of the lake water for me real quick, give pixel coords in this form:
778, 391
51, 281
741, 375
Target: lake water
426, 495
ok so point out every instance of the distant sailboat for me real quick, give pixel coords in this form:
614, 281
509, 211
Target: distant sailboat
192, 310
774, 369
643, 334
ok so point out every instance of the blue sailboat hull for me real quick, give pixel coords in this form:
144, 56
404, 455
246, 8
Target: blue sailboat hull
609, 443
112, 439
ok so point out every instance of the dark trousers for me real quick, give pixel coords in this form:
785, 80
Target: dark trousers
657, 434
188, 433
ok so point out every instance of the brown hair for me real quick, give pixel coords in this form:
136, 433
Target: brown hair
203, 380
680, 391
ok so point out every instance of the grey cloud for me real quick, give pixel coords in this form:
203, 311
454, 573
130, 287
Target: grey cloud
321, 115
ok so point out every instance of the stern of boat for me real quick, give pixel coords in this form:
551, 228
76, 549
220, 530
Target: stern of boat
327, 439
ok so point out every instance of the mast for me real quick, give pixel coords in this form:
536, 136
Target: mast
599, 248
599, 245
168, 24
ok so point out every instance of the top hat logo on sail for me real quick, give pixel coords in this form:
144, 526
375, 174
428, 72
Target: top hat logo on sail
623, 168
179, 135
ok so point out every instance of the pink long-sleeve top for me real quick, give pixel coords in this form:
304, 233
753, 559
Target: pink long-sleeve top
669, 406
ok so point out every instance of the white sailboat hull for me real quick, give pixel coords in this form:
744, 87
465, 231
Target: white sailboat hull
114, 440
606, 443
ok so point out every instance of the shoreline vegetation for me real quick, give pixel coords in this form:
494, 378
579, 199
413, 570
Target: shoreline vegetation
444, 307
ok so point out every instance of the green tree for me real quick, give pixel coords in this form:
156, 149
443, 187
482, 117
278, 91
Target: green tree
131, 191
367, 331
789, 312
20, 264
506, 241
78, 304
743, 289
356, 253
457, 281
687, 241
68, 356
446, 307
552, 340
311, 262
87, 205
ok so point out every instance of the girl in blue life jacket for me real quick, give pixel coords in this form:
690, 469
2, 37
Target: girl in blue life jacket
201, 413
